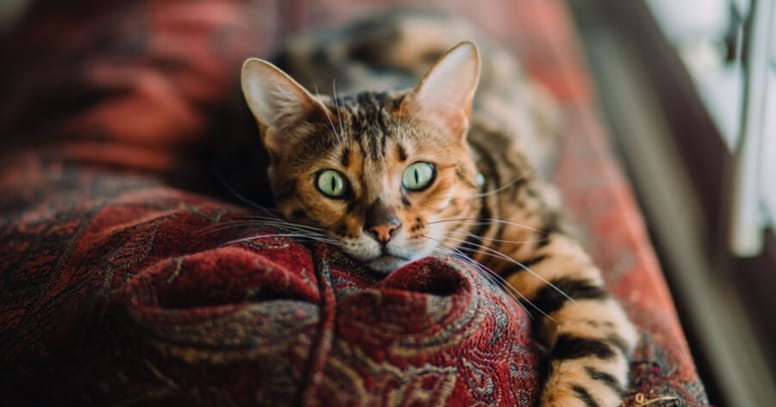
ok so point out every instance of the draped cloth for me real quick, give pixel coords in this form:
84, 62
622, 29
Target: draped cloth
121, 281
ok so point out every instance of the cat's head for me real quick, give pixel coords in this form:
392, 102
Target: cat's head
388, 176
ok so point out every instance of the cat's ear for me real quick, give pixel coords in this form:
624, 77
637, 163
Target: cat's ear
446, 92
275, 99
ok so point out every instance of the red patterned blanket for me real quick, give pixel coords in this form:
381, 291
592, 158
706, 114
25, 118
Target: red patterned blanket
120, 284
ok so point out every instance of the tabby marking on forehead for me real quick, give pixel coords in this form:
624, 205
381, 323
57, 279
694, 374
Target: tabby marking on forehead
383, 165
345, 161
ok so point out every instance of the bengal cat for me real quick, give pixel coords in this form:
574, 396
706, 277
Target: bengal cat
391, 176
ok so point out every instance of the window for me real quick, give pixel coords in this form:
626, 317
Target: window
729, 50
688, 89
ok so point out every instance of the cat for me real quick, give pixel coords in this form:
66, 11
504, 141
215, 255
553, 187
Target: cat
391, 176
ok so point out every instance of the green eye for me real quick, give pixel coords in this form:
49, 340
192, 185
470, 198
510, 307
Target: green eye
418, 176
332, 183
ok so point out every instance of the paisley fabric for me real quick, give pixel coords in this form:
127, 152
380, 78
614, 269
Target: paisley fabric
136, 292
125, 279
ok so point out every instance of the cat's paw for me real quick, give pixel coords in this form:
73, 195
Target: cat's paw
579, 396
577, 384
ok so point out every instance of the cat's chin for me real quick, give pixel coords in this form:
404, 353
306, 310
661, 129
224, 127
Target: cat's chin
386, 264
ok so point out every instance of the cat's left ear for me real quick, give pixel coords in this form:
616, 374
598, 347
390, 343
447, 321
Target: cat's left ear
446, 92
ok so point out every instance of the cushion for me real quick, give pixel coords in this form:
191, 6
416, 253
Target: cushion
127, 275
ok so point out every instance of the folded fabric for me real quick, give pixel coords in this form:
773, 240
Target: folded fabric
125, 280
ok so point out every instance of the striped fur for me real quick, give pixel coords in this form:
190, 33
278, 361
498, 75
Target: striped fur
486, 197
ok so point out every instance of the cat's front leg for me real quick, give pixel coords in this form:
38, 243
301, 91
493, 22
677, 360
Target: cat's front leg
588, 336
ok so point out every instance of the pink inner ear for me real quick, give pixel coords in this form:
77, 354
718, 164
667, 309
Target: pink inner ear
445, 94
274, 97
278, 103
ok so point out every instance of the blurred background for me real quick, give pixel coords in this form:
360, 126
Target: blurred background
688, 90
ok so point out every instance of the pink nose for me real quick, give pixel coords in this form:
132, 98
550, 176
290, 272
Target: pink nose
381, 222
383, 233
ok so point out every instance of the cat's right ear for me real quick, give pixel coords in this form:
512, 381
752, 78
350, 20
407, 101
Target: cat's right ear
275, 99
446, 92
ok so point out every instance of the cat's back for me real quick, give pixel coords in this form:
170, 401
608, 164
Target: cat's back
390, 51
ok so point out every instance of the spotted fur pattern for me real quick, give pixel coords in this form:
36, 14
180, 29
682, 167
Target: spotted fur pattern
348, 161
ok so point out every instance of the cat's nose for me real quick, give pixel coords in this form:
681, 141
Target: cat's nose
384, 233
381, 222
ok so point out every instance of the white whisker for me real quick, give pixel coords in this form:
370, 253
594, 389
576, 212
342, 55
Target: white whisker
484, 221
339, 108
497, 254
259, 222
278, 235
280, 222
507, 241
497, 190
338, 135
493, 277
